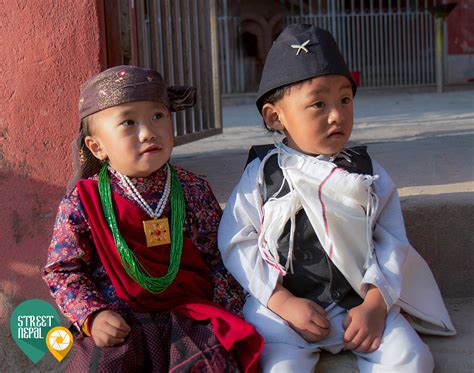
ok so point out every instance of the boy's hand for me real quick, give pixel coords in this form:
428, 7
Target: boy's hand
305, 316
108, 329
364, 325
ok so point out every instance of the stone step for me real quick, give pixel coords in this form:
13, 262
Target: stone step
441, 228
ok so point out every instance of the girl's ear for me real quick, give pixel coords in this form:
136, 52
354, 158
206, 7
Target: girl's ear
95, 148
271, 117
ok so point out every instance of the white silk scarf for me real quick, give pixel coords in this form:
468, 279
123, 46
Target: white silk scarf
340, 206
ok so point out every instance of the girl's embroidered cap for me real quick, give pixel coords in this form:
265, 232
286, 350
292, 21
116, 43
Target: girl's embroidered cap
121, 84
301, 52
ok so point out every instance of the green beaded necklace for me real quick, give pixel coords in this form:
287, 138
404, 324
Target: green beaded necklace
130, 262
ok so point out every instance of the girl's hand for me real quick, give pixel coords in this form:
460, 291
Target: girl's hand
108, 328
305, 316
364, 325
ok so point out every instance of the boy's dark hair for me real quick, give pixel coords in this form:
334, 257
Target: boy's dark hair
272, 97
275, 95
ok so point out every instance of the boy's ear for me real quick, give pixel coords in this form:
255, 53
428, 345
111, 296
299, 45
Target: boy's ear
95, 148
271, 117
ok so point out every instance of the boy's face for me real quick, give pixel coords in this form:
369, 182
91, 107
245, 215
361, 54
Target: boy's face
136, 138
316, 116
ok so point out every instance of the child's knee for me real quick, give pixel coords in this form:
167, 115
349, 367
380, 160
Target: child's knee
282, 357
410, 357
426, 361
410, 354
405, 347
417, 358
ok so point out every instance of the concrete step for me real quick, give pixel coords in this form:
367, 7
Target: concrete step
441, 228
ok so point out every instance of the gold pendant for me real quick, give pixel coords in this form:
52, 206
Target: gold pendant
157, 232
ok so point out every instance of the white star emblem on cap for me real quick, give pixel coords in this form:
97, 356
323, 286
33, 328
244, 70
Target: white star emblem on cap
300, 47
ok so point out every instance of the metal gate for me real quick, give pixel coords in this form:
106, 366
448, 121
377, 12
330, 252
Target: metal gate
390, 42
177, 38
233, 66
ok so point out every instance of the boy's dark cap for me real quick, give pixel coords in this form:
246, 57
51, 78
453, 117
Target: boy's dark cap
121, 84
301, 52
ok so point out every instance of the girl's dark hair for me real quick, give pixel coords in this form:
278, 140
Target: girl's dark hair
84, 163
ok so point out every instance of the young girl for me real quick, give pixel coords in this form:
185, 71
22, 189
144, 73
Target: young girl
314, 231
133, 262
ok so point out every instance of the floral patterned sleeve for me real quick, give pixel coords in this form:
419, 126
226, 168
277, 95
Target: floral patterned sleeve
68, 268
205, 213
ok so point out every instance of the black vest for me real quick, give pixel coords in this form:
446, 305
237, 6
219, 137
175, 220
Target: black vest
314, 275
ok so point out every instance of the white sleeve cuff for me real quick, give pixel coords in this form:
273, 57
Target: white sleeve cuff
374, 277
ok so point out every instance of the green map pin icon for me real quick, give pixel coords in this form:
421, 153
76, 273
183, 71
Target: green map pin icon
29, 325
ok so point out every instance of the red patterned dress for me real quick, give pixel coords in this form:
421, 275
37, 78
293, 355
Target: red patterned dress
79, 282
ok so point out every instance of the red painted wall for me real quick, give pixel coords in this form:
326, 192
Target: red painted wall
49, 48
461, 28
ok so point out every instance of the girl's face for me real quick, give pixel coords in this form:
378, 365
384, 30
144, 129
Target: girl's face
316, 116
136, 138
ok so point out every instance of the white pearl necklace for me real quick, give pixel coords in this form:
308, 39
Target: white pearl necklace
133, 192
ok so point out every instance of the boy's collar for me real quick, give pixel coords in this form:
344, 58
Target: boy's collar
288, 149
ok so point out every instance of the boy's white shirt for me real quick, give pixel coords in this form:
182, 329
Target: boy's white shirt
247, 227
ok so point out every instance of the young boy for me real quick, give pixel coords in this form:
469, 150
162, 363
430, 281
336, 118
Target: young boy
314, 231
133, 262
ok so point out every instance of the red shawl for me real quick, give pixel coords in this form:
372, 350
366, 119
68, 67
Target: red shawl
191, 292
